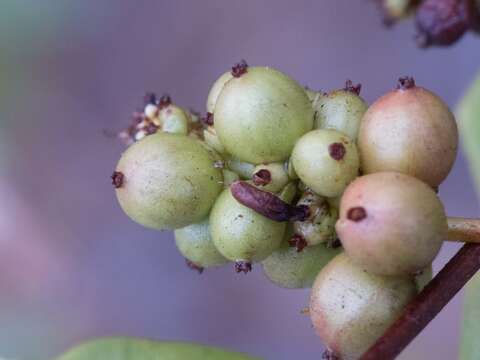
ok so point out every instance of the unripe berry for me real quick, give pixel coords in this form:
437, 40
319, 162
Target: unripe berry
167, 181
350, 308
320, 225
391, 223
241, 234
195, 244
260, 114
409, 130
341, 110
216, 89
173, 120
270, 177
326, 161
288, 268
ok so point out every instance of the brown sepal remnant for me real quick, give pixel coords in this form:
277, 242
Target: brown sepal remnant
443, 22
164, 101
150, 98
298, 241
405, 83
352, 88
194, 266
356, 213
262, 177
243, 266
337, 151
267, 204
239, 69
330, 355
207, 119
334, 243
151, 128
117, 179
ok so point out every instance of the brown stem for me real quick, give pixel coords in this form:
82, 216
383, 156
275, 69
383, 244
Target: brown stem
427, 304
462, 229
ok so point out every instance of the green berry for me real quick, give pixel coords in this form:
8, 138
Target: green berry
391, 223
350, 308
270, 177
167, 181
241, 234
260, 114
211, 139
326, 161
409, 130
173, 120
229, 177
292, 269
216, 89
319, 227
195, 244
288, 193
341, 110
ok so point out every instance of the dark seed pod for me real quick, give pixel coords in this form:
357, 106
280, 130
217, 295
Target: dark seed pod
443, 22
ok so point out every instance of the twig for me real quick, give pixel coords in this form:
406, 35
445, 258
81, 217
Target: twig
462, 229
427, 304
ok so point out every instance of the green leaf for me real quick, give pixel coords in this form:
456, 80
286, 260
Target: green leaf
137, 349
468, 115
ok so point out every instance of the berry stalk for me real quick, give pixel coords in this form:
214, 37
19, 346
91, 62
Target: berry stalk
463, 229
427, 304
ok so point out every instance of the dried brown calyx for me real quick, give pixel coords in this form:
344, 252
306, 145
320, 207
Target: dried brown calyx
207, 119
298, 241
239, 69
266, 203
356, 213
352, 88
337, 151
243, 266
191, 265
262, 177
164, 101
117, 179
405, 83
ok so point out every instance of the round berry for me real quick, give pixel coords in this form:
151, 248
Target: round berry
391, 223
260, 114
173, 120
350, 308
319, 227
211, 139
326, 161
168, 181
340, 110
292, 269
241, 234
409, 130
195, 244
216, 89
270, 177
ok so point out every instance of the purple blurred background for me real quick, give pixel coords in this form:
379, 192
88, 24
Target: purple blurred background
72, 266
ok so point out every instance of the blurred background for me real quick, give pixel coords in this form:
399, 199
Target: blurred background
72, 265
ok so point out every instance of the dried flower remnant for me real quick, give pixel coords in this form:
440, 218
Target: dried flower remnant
262, 177
356, 214
266, 203
117, 179
352, 88
405, 83
330, 355
150, 98
298, 241
207, 119
337, 151
243, 266
239, 69
164, 101
194, 266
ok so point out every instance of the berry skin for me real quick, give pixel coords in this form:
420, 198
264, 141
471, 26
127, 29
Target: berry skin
409, 130
216, 89
423, 278
244, 169
195, 244
291, 269
211, 139
341, 110
169, 181
350, 308
391, 223
326, 161
241, 234
261, 114
270, 177
320, 225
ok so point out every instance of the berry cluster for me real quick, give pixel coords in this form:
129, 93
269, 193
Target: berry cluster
438, 22
320, 188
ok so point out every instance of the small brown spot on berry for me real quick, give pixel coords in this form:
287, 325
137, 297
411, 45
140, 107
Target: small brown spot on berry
262, 177
337, 151
298, 241
194, 266
405, 83
356, 213
239, 69
117, 179
207, 119
352, 88
243, 266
